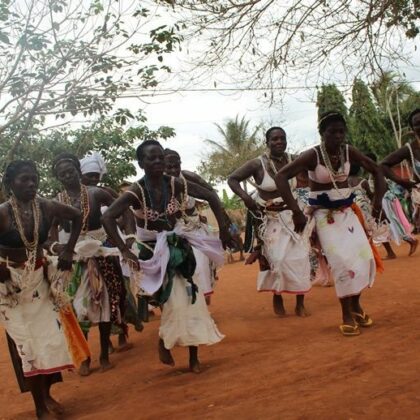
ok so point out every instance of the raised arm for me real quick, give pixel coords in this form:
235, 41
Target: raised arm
393, 159
378, 177
241, 174
197, 179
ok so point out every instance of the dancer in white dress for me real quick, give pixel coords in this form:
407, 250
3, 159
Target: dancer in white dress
341, 235
166, 257
284, 254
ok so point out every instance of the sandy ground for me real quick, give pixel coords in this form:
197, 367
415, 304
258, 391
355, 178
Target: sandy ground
266, 367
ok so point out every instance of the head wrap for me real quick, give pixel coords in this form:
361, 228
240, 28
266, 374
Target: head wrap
93, 163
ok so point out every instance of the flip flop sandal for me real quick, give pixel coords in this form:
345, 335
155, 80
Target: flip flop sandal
364, 320
349, 330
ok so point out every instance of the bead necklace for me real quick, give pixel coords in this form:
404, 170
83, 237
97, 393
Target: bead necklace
271, 159
332, 172
31, 246
84, 205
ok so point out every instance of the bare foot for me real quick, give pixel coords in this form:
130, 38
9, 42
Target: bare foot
301, 311
165, 355
413, 247
84, 369
46, 415
106, 365
195, 366
390, 257
278, 306
54, 406
124, 347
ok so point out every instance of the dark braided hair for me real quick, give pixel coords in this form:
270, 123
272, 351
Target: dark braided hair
65, 157
143, 145
270, 130
329, 117
411, 117
13, 169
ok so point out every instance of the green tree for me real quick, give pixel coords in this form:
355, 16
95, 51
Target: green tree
395, 99
368, 131
329, 98
237, 145
63, 58
113, 140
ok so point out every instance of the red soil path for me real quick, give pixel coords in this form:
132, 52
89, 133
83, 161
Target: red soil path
266, 367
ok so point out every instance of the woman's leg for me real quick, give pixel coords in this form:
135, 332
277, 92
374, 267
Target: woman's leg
278, 305
300, 309
390, 252
165, 355
105, 334
347, 309
36, 385
84, 369
52, 405
194, 362
359, 314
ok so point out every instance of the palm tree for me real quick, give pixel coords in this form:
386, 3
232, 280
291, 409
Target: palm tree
236, 146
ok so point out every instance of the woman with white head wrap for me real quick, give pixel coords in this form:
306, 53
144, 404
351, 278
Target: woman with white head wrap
93, 168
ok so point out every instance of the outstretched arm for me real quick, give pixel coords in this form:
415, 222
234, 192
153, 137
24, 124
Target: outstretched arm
197, 179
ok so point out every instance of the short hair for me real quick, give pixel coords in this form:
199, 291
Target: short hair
143, 145
65, 157
270, 130
329, 117
13, 169
170, 152
411, 117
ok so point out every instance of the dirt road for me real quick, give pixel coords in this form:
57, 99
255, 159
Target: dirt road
266, 367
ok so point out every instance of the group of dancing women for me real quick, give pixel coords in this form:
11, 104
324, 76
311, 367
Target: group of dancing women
86, 257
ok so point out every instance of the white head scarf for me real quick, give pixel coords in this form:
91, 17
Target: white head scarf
93, 163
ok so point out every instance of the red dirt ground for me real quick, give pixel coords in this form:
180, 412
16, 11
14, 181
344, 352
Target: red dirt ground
266, 367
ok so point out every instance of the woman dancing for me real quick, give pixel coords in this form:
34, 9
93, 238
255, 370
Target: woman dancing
37, 344
205, 268
410, 152
287, 253
97, 288
166, 257
340, 233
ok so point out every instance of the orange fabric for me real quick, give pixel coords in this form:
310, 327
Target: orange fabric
78, 346
378, 260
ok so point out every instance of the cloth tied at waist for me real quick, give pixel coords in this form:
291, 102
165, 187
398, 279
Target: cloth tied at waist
155, 269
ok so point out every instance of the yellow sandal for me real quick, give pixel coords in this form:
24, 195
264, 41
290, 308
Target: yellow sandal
364, 320
349, 330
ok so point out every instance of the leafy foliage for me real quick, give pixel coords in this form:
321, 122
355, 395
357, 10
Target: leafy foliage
112, 140
63, 58
237, 146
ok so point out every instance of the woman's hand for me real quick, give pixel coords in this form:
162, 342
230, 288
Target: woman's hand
226, 238
130, 259
299, 220
65, 259
251, 204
